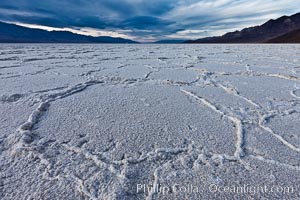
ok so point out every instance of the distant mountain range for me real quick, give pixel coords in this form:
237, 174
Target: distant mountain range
285, 29
10, 33
169, 41
291, 37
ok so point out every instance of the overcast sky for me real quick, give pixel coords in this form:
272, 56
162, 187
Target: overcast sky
145, 20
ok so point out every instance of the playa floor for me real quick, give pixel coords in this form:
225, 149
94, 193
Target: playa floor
149, 121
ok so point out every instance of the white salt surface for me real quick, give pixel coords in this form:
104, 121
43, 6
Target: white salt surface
107, 121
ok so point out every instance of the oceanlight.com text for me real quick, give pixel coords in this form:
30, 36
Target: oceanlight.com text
215, 189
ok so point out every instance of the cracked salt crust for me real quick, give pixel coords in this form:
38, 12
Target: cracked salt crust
93, 121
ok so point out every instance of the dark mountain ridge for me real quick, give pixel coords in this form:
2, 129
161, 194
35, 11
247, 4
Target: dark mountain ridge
257, 34
10, 33
291, 37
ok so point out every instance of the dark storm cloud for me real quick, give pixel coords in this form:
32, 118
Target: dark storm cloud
145, 18
91, 13
145, 22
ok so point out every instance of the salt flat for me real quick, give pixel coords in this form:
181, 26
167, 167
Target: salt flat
108, 121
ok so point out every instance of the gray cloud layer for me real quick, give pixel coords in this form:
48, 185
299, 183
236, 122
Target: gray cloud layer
155, 19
